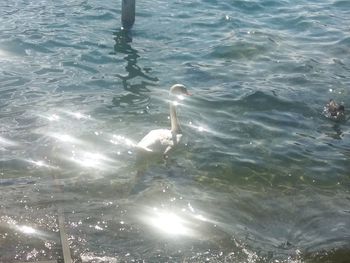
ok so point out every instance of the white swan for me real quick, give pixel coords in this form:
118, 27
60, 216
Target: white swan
163, 140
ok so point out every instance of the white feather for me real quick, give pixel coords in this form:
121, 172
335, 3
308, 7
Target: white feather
163, 140
159, 141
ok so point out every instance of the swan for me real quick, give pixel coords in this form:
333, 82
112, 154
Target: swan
163, 140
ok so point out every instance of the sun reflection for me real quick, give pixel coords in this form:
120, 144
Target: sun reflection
168, 222
64, 137
91, 160
176, 102
77, 115
118, 139
41, 163
88, 159
51, 117
203, 128
55, 117
38, 163
6, 142
199, 128
201, 218
180, 97
4, 55
11, 223
26, 229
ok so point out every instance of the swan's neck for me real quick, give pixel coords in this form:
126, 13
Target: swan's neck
175, 125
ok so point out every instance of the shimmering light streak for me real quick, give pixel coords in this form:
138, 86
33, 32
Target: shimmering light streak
168, 222
118, 139
4, 55
41, 163
51, 117
201, 218
64, 138
77, 115
5, 142
88, 159
92, 160
201, 128
180, 97
26, 229
55, 117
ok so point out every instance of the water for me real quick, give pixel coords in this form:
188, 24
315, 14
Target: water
262, 175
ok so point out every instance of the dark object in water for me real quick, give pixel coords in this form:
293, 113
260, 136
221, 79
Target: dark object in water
334, 110
128, 14
16, 181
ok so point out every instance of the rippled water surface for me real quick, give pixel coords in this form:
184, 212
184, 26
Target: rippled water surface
262, 175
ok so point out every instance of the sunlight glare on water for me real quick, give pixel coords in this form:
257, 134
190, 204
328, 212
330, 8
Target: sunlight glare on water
6, 142
66, 138
26, 230
41, 163
167, 222
91, 160
261, 173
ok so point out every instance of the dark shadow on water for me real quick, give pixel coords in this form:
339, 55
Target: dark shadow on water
262, 101
338, 131
123, 40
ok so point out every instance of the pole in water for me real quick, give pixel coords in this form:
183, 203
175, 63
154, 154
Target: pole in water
128, 13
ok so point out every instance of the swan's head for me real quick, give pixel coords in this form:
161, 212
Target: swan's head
179, 89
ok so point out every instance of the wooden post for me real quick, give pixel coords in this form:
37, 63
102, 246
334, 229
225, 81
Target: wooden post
128, 14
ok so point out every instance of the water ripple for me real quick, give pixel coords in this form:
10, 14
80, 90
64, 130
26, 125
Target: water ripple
262, 172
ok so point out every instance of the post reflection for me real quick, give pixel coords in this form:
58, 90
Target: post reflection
122, 45
338, 132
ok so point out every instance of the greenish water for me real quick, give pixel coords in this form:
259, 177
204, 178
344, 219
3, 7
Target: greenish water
262, 175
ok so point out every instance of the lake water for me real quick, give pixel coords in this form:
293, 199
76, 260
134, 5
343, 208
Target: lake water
262, 175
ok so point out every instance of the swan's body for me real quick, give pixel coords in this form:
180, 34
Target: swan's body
159, 141
163, 140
